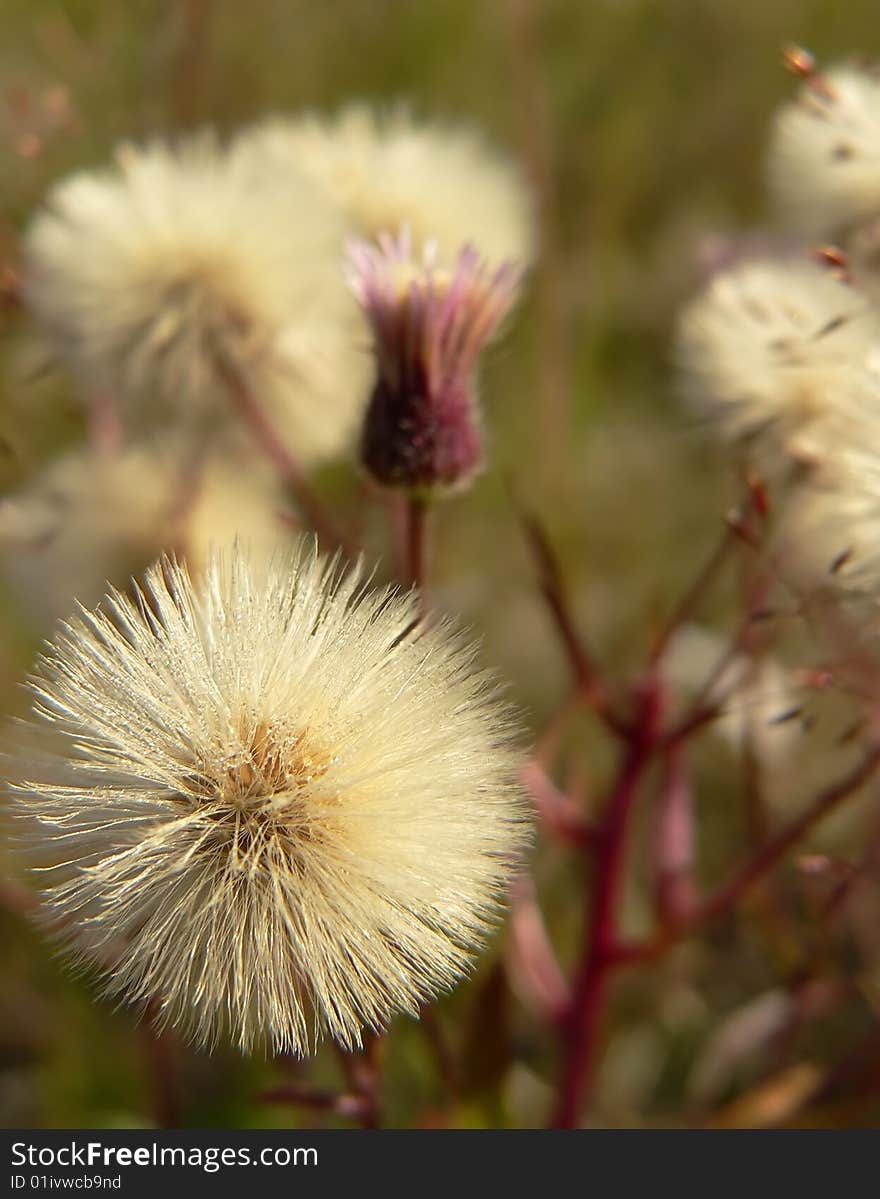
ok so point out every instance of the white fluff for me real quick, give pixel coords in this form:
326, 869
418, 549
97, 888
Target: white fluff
277, 803
387, 171
775, 345
89, 520
144, 275
824, 157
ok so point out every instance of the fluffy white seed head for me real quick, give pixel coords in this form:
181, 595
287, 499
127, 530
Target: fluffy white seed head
824, 158
144, 276
91, 519
387, 171
275, 803
832, 525
774, 345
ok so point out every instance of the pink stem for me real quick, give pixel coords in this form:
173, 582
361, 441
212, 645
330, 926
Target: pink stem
673, 840
531, 961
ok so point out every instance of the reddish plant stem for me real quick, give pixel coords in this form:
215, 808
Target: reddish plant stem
725, 897
708, 706
603, 952
589, 686
11, 300
408, 517
276, 452
696, 719
697, 591
187, 84
415, 555
556, 809
444, 1058
363, 1074
160, 1049
583, 1020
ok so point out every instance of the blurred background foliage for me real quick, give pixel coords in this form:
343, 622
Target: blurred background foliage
642, 124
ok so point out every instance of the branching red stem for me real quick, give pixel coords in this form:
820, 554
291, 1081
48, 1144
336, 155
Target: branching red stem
582, 1024
725, 897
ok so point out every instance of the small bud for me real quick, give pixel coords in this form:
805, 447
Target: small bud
422, 429
798, 61
832, 257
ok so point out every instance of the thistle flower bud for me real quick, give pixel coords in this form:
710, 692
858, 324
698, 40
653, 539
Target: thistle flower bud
422, 429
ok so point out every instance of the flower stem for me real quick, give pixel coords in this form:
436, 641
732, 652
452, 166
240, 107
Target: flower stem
277, 453
160, 1049
364, 1076
416, 543
697, 591
590, 686
583, 1020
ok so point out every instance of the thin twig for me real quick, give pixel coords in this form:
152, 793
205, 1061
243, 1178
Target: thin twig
589, 685
726, 896
697, 591
277, 453
556, 809
191, 60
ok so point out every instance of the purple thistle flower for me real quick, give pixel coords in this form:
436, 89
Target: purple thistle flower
422, 429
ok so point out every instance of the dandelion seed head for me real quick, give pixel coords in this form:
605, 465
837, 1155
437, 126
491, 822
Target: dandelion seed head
91, 519
774, 346
384, 171
144, 276
824, 157
274, 804
832, 526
